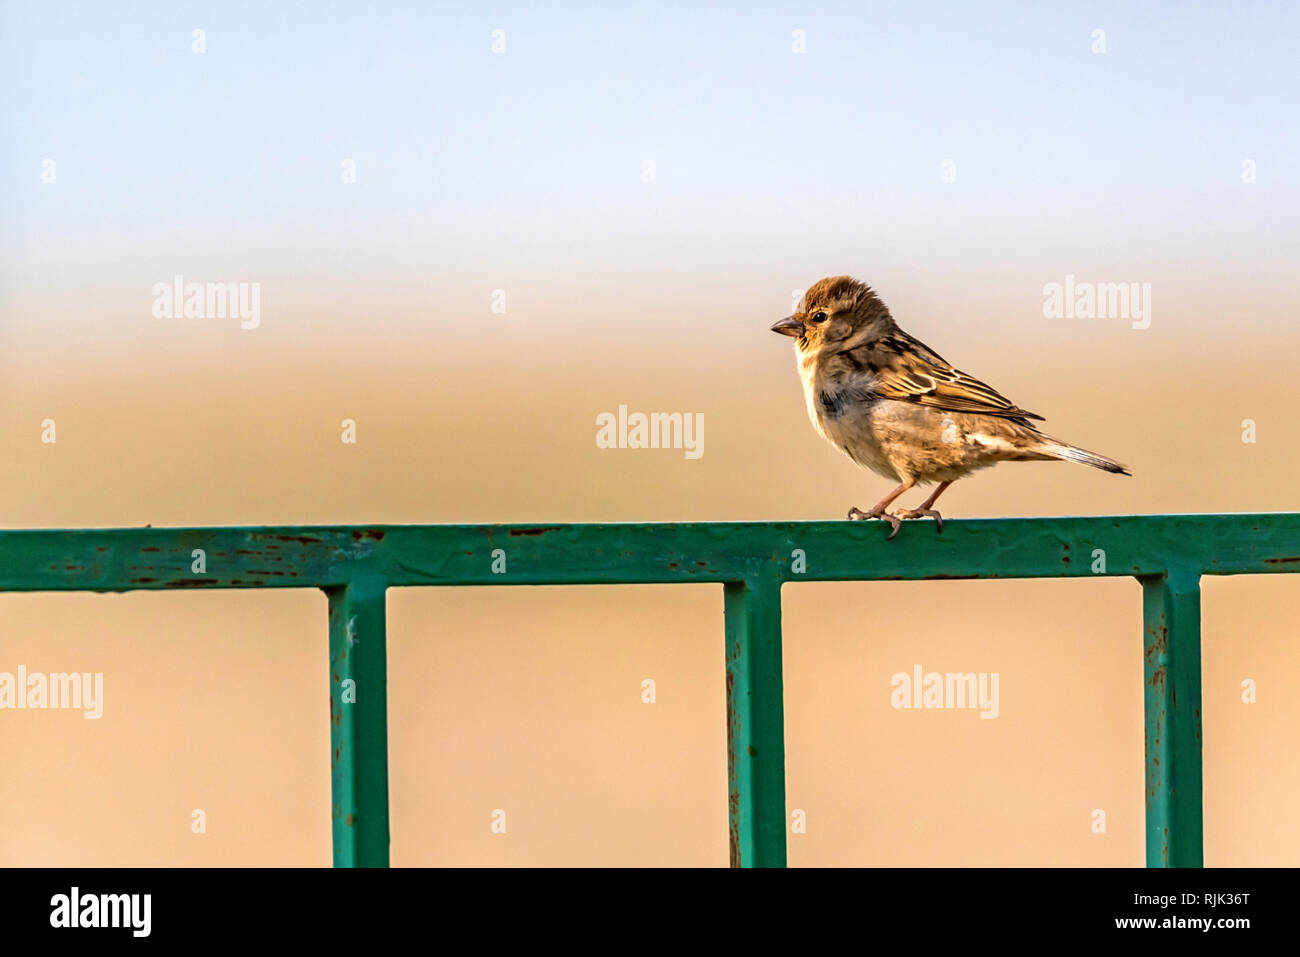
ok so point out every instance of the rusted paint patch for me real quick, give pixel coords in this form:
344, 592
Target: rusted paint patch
733, 828
375, 533
305, 539
191, 582
1280, 561
733, 791
534, 531
1160, 646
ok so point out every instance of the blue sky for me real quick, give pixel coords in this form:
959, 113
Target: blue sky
231, 160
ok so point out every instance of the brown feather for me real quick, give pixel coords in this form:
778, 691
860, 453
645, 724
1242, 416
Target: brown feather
907, 369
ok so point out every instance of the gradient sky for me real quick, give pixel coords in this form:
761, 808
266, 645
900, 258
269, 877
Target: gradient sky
521, 166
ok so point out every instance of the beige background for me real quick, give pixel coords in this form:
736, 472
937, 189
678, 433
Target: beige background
528, 699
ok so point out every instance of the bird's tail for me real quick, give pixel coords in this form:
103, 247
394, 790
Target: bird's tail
1056, 449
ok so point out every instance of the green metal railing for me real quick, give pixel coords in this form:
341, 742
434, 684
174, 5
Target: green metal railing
356, 564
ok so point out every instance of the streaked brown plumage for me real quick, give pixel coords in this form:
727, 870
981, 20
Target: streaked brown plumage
895, 406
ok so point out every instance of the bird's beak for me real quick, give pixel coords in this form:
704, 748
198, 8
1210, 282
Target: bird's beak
789, 326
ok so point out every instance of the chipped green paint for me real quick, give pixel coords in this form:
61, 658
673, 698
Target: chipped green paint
355, 565
359, 723
1171, 645
755, 723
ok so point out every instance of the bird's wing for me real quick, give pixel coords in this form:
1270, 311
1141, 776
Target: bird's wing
905, 368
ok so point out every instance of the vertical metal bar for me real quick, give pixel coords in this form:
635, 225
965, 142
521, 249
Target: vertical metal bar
359, 724
755, 723
1171, 609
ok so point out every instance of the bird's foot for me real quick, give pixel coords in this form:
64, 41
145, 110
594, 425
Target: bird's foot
923, 513
856, 514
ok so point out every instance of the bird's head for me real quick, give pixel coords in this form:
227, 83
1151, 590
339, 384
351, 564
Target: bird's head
833, 309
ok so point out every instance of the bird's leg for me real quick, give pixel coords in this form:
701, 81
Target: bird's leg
878, 510
927, 508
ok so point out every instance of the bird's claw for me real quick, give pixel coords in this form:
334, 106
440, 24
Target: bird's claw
923, 513
856, 514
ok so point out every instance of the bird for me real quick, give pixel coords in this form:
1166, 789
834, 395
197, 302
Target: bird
895, 406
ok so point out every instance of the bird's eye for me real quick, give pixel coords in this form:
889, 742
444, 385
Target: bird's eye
819, 317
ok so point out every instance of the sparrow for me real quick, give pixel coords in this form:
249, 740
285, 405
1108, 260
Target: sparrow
895, 406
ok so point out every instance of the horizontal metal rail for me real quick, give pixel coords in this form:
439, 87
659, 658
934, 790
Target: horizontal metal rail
355, 565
